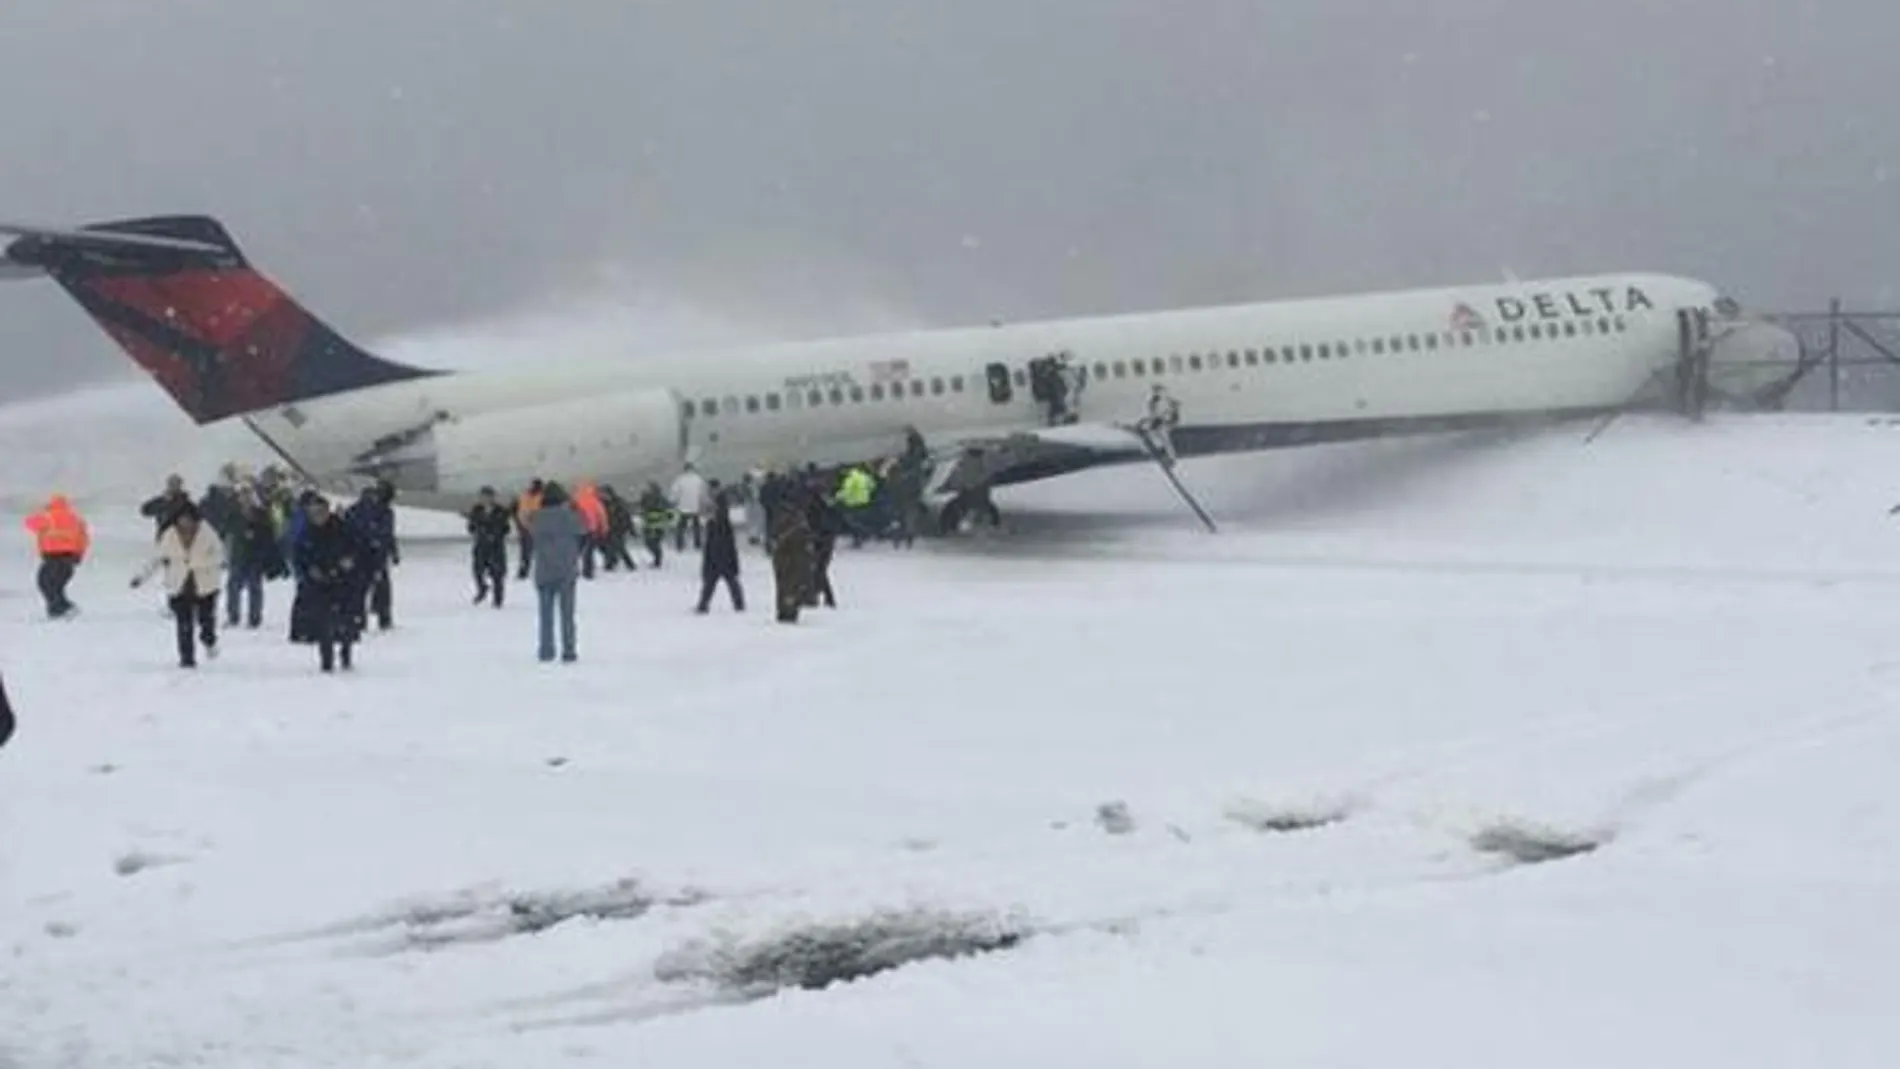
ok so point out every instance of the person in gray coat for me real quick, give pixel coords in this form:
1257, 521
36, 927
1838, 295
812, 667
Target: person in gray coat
559, 536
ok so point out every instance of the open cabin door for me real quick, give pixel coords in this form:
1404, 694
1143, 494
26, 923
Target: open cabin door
997, 375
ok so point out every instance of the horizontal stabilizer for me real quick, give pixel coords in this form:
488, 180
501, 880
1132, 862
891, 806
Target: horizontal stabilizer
109, 238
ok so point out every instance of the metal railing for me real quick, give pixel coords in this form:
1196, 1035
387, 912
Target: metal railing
1852, 360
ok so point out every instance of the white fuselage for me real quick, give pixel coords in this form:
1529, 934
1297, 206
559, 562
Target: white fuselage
1553, 346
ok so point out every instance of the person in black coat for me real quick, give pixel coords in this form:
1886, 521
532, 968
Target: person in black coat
374, 519
165, 507
488, 525
331, 565
7, 722
252, 556
827, 523
719, 559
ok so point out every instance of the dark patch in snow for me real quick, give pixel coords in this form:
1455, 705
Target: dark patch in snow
1114, 818
1531, 845
104, 770
817, 956
61, 929
556, 762
138, 861
1264, 818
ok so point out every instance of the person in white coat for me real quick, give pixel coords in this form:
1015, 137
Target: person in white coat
191, 556
689, 501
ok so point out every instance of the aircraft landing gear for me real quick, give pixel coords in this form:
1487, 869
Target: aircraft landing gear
969, 504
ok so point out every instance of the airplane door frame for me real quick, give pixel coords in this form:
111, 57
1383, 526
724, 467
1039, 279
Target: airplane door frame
1001, 390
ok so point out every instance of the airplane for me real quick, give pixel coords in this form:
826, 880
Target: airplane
177, 294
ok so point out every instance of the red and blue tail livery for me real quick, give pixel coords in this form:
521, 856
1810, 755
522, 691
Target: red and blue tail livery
180, 298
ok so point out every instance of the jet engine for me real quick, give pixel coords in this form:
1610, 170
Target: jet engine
624, 438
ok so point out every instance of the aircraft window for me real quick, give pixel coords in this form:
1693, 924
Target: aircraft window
686, 410
794, 399
1137, 367
1287, 354
815, 398
1378, 346
877, 391
751, 403
1359, 346
1431, 341
1603, 326
1325, 351
1536, 332
1411, 341
708, 407
1233, 359
1101, 370
1306, 352
1341, 349
1266, 356
1253, 357
1397, 343
1621, 324
1120, 369
771, 402
936, 386
916, 387
730, 406
1468, 339
956, 384
1174, 364
1570, 328
1517, 333
1194, 363
837, 395
857, 395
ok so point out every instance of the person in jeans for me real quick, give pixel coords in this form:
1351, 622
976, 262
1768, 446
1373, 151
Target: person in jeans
559, 535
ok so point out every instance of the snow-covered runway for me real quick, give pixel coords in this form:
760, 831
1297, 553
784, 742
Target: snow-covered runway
1182, 800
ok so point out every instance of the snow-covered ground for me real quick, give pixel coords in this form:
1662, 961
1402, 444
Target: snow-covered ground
1091, 748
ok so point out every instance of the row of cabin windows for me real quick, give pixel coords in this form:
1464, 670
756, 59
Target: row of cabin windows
937, 386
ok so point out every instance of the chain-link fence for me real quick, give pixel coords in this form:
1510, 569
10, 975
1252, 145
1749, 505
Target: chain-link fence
1852, 360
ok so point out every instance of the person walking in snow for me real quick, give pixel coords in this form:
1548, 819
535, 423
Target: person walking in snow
373, 518
688, 494
191, 555
488, 525
62, 539
560, 536
719, 562
7, 721
330, 569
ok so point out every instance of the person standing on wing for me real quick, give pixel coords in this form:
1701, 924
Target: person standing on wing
559, 537
192, 557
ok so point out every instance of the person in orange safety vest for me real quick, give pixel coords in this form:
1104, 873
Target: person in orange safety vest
594, 518
62, 539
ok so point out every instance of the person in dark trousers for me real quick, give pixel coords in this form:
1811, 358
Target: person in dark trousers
62, 538
525, 503
7, 721
619, 530
719, 559
252, 556
330, 567
164, 508
191, 556
791, 556
772, 490
488, 525
656, 515
559, 537
373, 517
827, 523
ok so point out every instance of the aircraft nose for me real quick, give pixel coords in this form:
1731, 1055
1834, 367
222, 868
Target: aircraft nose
1753, 356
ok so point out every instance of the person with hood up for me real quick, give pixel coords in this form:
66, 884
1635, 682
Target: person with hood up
559, 536
720, 560
330, 569
192, 557
62, 539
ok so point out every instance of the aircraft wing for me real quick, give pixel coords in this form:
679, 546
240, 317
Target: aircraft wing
1000, 460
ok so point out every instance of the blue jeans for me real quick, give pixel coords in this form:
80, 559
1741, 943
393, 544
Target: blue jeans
561, 594
240, 581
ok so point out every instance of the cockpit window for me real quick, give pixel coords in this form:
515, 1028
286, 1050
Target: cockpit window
1727, 308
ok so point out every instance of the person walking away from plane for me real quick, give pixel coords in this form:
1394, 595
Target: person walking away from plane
619, 530
219, 505
773, 489
252, 555
165, 507
525, 505
688, 494
330, 564
656, 515
593, 515
719, 561
191, 555
558, 538
748, 514
62, 539
488, 525
792, 564
826, 523
373, 519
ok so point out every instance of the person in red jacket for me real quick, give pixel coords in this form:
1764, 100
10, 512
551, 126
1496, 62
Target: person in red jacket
62, 539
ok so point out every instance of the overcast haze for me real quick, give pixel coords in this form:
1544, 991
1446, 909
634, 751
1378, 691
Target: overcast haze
808, 167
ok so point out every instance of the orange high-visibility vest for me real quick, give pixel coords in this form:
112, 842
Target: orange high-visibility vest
58, 530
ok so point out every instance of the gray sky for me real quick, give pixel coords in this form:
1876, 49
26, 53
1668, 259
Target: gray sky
738, 168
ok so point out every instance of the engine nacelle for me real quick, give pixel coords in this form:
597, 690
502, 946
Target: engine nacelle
624, 438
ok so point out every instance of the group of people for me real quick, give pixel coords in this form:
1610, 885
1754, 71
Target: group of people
246, 531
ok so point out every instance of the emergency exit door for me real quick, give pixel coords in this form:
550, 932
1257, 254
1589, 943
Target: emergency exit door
1000, 389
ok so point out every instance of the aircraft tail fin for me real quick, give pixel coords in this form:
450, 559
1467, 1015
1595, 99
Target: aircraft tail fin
180, 298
